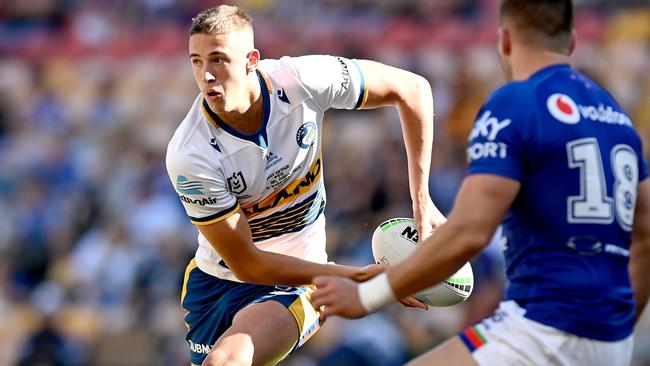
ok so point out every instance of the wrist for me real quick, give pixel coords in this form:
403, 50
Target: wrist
376, 293
421, 196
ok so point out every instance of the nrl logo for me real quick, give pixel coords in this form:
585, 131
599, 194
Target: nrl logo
236, 183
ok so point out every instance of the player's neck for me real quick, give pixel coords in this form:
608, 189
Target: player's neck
248, 117
527, 61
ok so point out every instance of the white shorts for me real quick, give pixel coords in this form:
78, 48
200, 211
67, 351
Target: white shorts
508, 338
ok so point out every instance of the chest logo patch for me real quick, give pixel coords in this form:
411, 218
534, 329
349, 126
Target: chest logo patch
306, 135
563, 108
236, 183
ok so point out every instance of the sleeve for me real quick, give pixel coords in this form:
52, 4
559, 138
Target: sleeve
496, 142
332, 81
201, 188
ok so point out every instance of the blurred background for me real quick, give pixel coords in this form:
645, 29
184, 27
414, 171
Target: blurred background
93, 239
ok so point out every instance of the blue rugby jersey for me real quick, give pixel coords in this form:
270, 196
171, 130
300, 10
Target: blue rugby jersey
579, 161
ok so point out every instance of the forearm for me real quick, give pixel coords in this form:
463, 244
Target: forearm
278, 269
640, 273
416, 115
465, 234
435, 260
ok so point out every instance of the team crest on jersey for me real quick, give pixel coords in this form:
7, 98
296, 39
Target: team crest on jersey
306, 135
236, 183
563, 108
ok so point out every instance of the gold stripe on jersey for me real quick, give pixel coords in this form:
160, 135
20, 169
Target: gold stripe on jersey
290, 220
266, 80
363, 93
365, 97
219, 216
293, 213
287, 194
207, 114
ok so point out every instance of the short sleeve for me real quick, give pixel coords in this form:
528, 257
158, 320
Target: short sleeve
201, 189
496, 142
333, 82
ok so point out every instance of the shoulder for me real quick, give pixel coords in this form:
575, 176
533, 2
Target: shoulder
512, 95
515, 101
185, 148
310, 69
506, 113
301, 77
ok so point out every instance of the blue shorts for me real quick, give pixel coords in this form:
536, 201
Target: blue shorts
210, 304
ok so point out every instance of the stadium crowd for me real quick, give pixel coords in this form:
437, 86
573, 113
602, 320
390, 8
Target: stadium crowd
93, 239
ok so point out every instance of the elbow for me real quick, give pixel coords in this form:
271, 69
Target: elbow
248, 276
640, 246
243, 275
420, 88
247, 271
416, 88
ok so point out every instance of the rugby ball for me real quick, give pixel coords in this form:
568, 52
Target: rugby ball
396, 239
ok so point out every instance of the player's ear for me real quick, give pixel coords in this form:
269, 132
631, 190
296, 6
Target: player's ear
505, 42
253, 60
572, 43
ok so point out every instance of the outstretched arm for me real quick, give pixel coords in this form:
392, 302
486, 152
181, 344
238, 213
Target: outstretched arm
480, 206
411, 95
233, 241
640, 249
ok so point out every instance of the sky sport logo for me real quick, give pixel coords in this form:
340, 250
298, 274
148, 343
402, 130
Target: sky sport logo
565, 110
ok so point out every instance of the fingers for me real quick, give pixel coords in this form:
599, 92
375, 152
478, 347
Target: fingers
321, 280
324, 297
326, 312
319, 296
412, 302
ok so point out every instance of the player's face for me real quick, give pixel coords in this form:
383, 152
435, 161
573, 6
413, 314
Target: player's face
220, 63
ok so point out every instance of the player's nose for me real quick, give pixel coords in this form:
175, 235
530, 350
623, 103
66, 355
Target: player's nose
208, 77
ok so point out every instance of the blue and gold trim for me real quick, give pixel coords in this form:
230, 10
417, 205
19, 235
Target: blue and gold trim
306, 316
219, 216
190, 267
291, 220
211, 304
288, 194
363, 89
258, 137
262, 76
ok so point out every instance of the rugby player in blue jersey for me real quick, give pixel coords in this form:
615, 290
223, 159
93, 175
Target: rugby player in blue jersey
555, 160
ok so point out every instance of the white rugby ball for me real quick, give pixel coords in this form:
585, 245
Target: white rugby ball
396, 239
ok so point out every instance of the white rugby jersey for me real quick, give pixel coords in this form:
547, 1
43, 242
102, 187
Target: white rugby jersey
276, 174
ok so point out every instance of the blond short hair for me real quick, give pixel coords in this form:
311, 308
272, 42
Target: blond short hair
222, 19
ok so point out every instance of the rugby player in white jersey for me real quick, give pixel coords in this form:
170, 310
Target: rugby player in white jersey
246, 164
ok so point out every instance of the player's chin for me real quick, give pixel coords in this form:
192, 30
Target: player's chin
217, 103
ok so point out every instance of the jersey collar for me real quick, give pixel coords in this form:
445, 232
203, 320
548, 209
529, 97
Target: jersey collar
549, 69
258, 137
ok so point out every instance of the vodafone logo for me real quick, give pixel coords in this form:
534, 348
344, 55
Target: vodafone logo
563, 108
